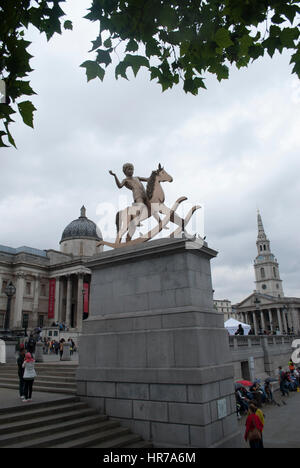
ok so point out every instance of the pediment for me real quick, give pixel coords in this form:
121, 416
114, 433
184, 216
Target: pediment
263, 300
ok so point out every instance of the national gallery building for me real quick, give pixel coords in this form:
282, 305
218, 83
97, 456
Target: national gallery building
51, 285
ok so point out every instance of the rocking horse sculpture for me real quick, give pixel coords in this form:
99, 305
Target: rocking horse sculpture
147, 203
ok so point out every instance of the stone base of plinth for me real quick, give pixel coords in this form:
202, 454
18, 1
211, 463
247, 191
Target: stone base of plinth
10, 352
154, 353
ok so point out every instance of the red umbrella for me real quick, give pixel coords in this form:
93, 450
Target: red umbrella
245, 383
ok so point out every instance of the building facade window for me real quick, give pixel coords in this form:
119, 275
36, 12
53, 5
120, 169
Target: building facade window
2, 317
25, 320
4, 285
28, 289
43, 290
41, 321
262, 273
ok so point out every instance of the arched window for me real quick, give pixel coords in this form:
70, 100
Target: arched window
264, 247
262, 273
274, 271
260, 247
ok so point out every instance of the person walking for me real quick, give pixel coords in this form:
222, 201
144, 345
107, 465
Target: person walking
254, 428
29, 376
61, 348
20, 362
31, 343
282, 382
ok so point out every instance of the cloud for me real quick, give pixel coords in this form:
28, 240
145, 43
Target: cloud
232, 149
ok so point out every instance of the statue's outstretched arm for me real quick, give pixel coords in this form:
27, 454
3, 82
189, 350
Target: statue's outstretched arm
119, 184
144, 179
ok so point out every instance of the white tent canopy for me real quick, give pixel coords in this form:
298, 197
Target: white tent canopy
232, 325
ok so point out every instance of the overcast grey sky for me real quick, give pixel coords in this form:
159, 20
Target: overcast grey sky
232, 149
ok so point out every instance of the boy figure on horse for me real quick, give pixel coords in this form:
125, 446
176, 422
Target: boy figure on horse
138, 191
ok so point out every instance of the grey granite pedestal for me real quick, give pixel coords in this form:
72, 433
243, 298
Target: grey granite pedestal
154, 352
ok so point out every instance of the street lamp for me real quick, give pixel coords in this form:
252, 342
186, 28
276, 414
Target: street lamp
10, 291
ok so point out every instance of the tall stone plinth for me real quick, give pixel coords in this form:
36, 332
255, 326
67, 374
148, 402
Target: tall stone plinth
154, 352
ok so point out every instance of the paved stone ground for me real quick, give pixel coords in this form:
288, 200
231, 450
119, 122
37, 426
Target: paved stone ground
282, 424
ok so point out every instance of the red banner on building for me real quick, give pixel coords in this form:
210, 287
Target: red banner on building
51, 304
86, 298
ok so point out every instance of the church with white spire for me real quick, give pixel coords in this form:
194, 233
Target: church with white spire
266, 268
267, 309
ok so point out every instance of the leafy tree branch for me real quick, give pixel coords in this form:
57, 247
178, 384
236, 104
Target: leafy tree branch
174, 40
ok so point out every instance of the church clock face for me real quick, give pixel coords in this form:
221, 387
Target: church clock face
264, 286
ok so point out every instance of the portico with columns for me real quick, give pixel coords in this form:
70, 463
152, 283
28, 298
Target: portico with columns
70, 296
266, 313
39, 300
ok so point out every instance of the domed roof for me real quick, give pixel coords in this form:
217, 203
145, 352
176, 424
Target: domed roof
81, 228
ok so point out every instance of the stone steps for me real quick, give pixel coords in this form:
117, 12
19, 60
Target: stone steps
37, 387
65, 423
53, 378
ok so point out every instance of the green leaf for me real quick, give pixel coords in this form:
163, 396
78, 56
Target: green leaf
132, 46
93, 70
121, 70
2, 144
152, 48
223, 39
26, 109
288, 36
136, 62
103, 56
97, 43
168, 17
68, 24
9, 136
107, 43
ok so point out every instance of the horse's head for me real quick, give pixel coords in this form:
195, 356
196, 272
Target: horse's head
162, 175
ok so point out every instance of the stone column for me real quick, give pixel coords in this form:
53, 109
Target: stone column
255, 323
36, 300
285, 321
68, 305
79, 302
57, 296
61, 302
263, 323
279, 321
17, 312
271, 320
